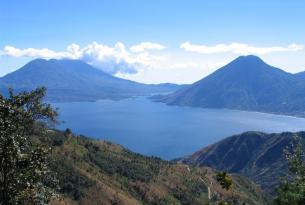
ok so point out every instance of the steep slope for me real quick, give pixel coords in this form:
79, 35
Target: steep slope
247, 83
74, 80
300, 75
256, 155
99, 172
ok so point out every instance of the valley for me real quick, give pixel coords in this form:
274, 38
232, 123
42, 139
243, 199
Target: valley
138, 102
139, 149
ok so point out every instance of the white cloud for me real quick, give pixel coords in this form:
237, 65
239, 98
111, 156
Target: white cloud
110, 59
238, 48
32, 52
146, 46
116, 59
149, 66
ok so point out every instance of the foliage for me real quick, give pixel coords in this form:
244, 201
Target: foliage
23, 163
256, 155
134, 167
292, 189
94, 171
71, 182
89, 171
224, 180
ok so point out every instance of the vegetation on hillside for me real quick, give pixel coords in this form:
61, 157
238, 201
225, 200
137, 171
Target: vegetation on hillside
256, 155
292, 188
97, 172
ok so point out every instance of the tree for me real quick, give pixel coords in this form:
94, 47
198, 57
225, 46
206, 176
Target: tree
224, 180
292, 189
23, 163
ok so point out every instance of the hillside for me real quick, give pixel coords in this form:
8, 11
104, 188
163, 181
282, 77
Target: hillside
247, 83
74, 80
256, 155
99, 172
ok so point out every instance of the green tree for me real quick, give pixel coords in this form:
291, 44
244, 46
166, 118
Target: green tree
292, 189
226, 183
23, 163
224, 180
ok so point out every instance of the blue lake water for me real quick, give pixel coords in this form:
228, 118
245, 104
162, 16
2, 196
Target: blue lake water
165, 131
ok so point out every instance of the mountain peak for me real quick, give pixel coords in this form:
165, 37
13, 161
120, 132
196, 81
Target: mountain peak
75, 80
53, 60
254, 57
37, 60
249, 65
249, 60
246, 83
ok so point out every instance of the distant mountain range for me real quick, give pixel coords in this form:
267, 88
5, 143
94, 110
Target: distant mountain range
256, 155
74, 80
247, 83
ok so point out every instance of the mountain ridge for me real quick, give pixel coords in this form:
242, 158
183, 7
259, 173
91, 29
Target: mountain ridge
74, 80
256, 155
246, 83
100, 172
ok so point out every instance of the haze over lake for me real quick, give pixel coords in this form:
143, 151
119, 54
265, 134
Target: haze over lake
165, 131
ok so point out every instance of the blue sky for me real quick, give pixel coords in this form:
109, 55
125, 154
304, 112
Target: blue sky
173, 41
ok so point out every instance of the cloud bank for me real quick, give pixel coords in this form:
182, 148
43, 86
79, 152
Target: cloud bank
137, 59
238, 48
32, 52
113, 60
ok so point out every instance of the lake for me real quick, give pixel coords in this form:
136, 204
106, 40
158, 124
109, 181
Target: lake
165, 131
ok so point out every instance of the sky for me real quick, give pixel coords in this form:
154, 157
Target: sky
153, 41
